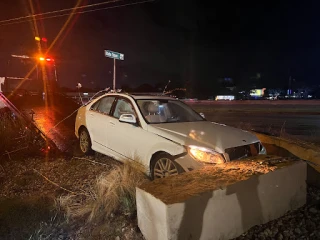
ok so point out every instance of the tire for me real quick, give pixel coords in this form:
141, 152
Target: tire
163, 165
85, 142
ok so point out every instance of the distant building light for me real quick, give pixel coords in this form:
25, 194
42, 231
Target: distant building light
44, 39
37, 39
257, 92
224, 97
85, 94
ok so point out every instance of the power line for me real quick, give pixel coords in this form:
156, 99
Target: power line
66, 14
57, 11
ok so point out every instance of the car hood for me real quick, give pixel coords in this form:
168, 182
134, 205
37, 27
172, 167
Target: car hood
205, 134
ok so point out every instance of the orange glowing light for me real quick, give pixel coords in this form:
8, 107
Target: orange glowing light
205, 156
37, 39
41, 58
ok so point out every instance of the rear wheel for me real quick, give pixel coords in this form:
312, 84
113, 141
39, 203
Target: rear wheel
163, 166
84, 141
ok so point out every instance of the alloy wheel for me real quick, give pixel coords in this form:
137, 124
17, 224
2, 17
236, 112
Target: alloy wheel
164, 167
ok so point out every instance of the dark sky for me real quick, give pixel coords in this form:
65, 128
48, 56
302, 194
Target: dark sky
175, 39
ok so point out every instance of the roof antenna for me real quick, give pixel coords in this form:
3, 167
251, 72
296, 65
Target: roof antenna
165, 88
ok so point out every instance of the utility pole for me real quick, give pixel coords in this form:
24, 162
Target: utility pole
114, 75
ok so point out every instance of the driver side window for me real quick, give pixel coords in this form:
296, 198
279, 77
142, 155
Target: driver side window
123, 107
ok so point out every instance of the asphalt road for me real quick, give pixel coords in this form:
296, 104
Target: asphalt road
293, 119
54, 117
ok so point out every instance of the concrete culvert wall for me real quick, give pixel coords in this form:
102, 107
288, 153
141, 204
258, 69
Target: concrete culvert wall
221, 202
288, 148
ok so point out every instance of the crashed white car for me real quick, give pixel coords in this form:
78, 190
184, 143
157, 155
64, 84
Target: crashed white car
163, 133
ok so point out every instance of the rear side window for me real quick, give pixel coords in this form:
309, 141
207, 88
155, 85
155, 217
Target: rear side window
95, 106
103, 105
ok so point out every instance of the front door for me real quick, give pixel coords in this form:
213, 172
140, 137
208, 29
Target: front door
125, 138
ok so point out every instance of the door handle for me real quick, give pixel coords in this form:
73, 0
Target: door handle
112, 123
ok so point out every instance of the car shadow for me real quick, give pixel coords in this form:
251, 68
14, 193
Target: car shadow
192, 220
248, 200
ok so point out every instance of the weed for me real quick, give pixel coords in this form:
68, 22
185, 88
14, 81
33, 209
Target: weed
113, 192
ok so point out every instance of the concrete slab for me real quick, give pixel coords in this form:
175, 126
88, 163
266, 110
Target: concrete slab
208, 204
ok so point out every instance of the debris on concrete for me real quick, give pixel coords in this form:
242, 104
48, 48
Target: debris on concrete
213, 177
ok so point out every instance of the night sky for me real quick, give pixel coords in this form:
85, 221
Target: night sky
175, 40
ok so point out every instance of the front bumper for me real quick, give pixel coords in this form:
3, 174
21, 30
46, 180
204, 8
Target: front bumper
188, 163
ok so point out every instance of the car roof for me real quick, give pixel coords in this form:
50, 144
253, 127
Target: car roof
138, 96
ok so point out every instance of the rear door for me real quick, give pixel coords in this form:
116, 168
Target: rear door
97, 119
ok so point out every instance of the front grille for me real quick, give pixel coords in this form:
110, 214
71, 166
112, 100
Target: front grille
243, 151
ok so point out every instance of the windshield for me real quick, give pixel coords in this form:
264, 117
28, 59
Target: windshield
167, 111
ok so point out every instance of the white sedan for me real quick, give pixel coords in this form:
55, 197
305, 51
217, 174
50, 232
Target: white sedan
162, 133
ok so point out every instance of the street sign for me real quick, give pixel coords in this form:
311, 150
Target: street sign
115, 55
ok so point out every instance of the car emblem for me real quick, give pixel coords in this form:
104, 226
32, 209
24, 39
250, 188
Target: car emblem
244, 140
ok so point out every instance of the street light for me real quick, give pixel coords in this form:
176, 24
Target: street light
41, 58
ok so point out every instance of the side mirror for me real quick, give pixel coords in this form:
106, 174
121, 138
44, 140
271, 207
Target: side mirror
202, 115
128, 118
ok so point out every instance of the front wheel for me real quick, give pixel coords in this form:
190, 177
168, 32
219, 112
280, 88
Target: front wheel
84, 141
163, 166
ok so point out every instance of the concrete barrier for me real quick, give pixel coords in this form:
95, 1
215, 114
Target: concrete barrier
302, 151
221, 210
285, 147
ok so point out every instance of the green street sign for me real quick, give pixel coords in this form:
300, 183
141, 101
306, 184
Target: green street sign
115, 55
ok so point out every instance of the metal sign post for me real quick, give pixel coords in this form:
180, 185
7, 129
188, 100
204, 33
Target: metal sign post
114, 74
115, 56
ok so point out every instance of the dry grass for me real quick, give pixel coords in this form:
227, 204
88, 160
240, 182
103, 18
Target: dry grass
113, 192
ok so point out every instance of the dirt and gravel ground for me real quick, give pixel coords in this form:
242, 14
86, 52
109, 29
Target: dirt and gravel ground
30, 186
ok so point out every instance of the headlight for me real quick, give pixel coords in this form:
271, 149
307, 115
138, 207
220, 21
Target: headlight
205, 155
